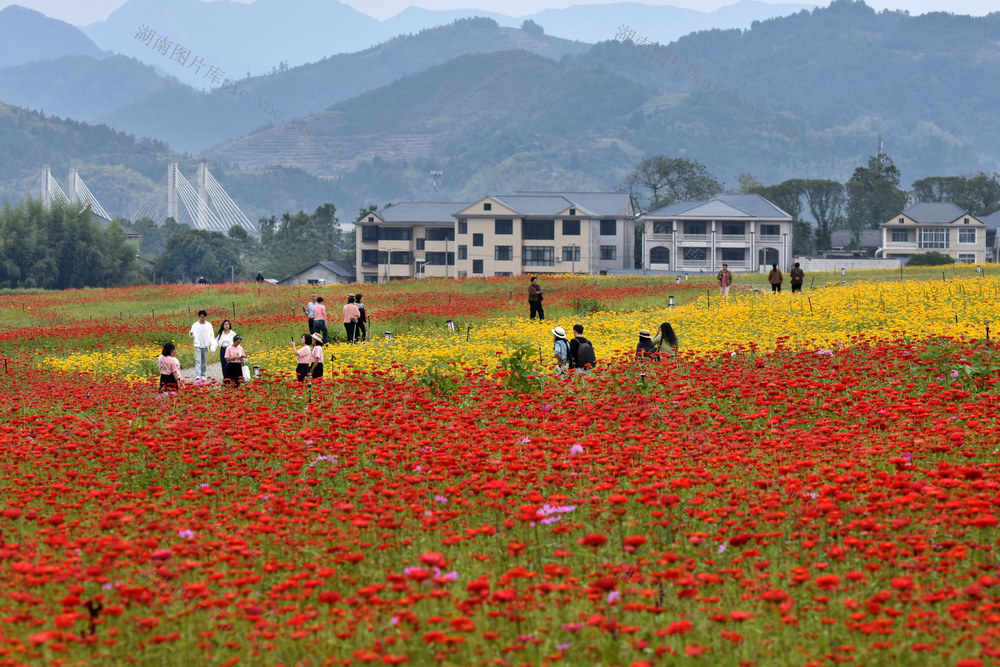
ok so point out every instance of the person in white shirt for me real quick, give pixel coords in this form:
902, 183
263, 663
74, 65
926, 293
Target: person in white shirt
201, 334
223, 339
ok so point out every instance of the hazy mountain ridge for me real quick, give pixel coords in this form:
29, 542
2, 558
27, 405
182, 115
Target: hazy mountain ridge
27, 36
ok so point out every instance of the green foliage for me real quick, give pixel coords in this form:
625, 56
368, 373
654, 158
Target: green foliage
873, 195
661, 181
930, 258
519, 370
588, 305
826, 200
193, 253
978, 195
439, 380
62, 248
299, 241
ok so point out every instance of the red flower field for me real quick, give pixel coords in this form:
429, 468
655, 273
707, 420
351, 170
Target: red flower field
740, 508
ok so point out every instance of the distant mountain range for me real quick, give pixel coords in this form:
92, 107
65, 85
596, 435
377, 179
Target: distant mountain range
253, 38
498, 108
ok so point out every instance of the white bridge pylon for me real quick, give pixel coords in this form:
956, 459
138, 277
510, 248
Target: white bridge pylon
47, 189
204, 205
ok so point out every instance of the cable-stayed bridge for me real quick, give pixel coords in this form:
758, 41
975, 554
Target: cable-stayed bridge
204, 205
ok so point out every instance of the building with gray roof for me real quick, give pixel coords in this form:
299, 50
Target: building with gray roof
935, 226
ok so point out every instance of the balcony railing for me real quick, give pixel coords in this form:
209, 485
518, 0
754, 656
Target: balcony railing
661, 236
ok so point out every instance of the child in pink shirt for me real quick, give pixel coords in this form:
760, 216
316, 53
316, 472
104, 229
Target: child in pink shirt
234, 362
169, 367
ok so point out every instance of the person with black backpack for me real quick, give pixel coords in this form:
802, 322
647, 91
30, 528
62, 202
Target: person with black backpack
581, 351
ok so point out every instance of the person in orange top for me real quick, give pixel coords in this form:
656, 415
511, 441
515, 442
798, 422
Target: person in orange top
352, 315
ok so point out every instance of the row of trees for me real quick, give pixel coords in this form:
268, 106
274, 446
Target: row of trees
63, 247
870, 197
286, 246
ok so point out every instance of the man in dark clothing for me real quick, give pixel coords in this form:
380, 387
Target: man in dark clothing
362, 330
576, 359
535, 299
797, 275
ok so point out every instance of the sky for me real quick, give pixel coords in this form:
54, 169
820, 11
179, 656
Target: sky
82, 13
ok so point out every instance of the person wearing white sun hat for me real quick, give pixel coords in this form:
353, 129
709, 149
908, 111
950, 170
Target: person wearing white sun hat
560, 350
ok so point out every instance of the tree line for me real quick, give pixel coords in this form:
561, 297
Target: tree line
870, 197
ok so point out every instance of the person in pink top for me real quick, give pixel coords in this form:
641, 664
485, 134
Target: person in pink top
169, 367
352, 315
235, 356
303, 356
319, 318
317, 357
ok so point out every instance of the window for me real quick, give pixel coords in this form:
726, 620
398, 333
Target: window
371, 219
695, 254
503, 227
435, 259
695, 228
966, 258
383, 257
663, 228
487, 207
538, 230
312, 281
609, 252
769, 230
369, 257
738, 228
902, 220
477, 264
609, 227
966, 221
659, 256
571, 253
503, 274
395, 234
734, 255
967, 236
420, 244
463, 252
369, 233
451, 259
900, 236
463, 274
572, 211
371, 279
538, 255
571, 227
440, 234
933, 238
477, 240
463, 226
503, 253
399, 258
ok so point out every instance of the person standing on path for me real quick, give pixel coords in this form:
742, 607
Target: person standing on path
303, 357
169, 367
319, 319
201, 334
235, 356
775, 278
308, 310
725, 280
362, 330
797, 275
535, 299
223, 339
351, 316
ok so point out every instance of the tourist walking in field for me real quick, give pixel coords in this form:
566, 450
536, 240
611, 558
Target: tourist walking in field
303, 356
169, 367
535, 299
351, 316
235, 356
308, 309
725, 280
797, 275
775, 278
581, 351
319, 318
201, 335
665, 339
317, 357
645, 348
560, 350
223, 339
362, 331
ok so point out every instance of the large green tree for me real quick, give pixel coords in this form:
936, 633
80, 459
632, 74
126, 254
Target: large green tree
979, 194
193, 253
658, 181
873, 195
826, 200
